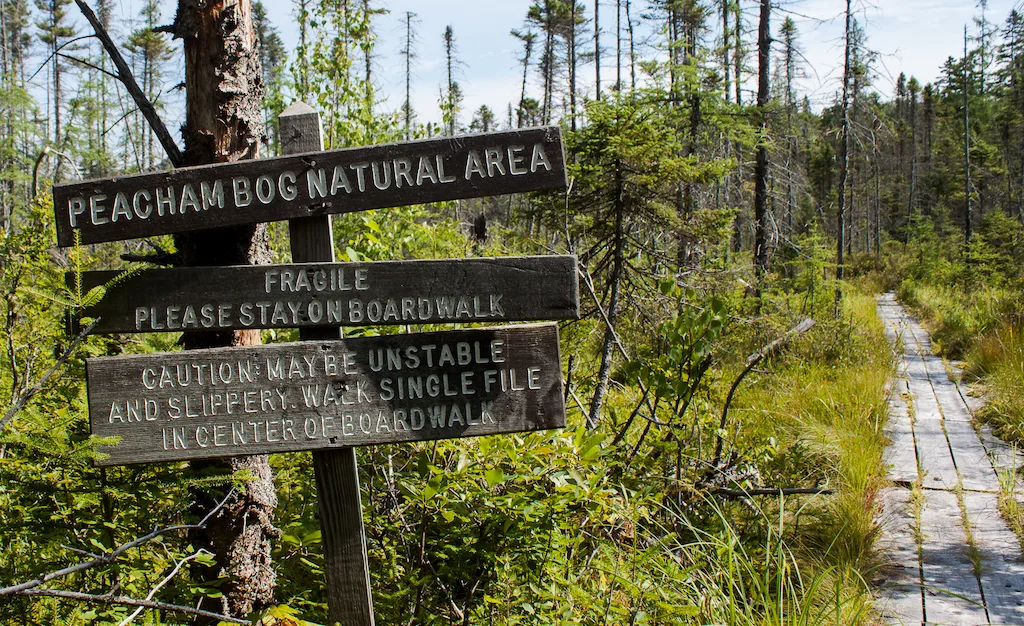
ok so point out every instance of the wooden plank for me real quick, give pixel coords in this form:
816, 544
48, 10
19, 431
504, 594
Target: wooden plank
338, 294
937, 468
901, 592
901, 453
346, 564
1005, 458
952, 595
971, 460
326, 394
315, 183
1002, 573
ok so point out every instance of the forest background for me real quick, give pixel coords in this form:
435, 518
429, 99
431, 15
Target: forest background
713, 207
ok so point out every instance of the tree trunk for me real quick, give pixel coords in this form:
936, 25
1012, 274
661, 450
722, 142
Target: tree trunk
968, 226
572, 66
913, 159
761, 218
738, 51
725, 48
618, 263
224, 122
597, 45
844, 162
632, 47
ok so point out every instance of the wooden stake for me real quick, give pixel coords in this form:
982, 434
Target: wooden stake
337, 476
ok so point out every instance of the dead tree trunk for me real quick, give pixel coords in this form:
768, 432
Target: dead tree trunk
618, 265
224, 122
761, 218
844, 163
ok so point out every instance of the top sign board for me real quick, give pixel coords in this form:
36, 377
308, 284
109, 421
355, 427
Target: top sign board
336, 181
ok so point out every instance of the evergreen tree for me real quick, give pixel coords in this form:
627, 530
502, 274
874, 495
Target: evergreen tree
54, 29
151, 53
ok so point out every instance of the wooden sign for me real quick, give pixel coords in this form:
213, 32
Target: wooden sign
317, 183
316, 395
338, 294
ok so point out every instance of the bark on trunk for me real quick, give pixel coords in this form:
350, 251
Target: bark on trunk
618, 262
761, 169
224, 122
844, 162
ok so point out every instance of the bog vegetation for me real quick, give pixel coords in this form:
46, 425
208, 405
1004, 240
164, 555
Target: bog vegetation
707, 224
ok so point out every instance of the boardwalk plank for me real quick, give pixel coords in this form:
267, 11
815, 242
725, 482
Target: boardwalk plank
903, 603
952, 595
935, 459
901, 454
1002, 573
971, 459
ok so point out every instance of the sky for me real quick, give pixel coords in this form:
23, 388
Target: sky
911, 36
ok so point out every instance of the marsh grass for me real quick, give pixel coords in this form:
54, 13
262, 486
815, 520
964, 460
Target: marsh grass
1009, 506
764, 583
825, 409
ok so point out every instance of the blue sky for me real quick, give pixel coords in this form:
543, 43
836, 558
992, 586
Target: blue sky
914, 36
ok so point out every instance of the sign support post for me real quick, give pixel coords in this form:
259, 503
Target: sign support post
337, 475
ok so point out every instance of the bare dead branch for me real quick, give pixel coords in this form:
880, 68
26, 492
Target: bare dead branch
110, 557
126, 601
752, 362
89, 65
124, 74
166, 579
27, 395
772, 491
52, 54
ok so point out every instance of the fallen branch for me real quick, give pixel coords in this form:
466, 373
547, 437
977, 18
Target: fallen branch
107, 559
773, 491
752, 361
124, 74
109, 599
27, 395
166, 579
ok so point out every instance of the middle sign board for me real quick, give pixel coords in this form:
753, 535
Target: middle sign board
447, 291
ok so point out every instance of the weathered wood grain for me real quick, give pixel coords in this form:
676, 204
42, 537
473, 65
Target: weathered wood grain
326, 394
315, 183
338, 294
902, 601
901, 454
1002, 573
934, 458
972, 461
952, 594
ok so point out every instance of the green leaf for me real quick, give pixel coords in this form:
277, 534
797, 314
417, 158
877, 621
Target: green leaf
494, 476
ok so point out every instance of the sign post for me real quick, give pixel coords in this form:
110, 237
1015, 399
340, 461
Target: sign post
326, 394
346, 566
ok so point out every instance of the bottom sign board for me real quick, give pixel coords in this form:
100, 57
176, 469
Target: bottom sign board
322, 394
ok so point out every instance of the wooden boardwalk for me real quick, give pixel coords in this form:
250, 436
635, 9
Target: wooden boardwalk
950, 558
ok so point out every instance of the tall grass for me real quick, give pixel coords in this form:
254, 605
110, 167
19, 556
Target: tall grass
998, 360
767, 583
958, 318
825, 407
